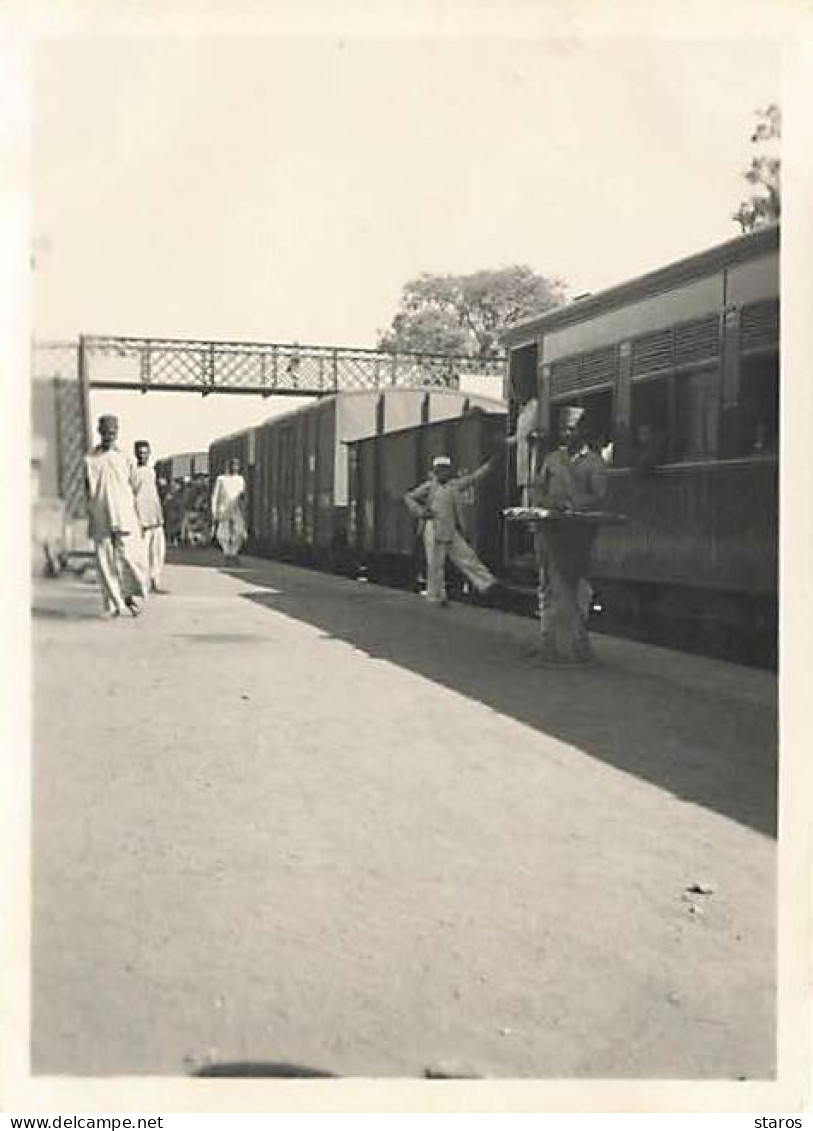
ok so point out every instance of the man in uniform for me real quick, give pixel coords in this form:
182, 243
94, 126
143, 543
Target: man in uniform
573, 477
113, 523
437, 504
150, 514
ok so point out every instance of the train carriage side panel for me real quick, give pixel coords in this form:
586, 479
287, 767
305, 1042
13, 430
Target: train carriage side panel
402, 409
356, 417
310, 425
299, 462
325, 473
272, 448
398, 472
262, 498
365, 532
706, 526
478, 437
285, 482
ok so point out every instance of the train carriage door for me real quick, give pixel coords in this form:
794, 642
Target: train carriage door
527, 408
524, 397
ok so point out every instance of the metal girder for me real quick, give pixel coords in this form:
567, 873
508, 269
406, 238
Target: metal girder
267, 369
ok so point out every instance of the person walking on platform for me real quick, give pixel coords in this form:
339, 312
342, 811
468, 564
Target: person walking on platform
113, 523
228, 502
438, 506
150, 514
573, 477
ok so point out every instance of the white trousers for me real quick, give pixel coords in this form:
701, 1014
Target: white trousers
461, 555
155, 546
123, 571
231, 534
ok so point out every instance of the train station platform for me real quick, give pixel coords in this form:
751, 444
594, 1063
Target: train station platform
286, 817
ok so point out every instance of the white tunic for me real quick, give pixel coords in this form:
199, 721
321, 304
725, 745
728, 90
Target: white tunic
147, 501
111, 501
226, 497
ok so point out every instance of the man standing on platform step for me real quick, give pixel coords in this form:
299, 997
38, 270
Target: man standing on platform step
113, 523
573, 477
438, 506
150, 514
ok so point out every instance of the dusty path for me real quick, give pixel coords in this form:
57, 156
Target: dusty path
286, 817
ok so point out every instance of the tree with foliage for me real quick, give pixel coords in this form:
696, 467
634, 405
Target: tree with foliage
764, 205
463, 315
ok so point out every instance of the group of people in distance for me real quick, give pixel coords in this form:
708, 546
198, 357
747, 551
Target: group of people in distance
126, 520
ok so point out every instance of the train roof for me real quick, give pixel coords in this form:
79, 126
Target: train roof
202, 452
488, 404
497, 413
686, 270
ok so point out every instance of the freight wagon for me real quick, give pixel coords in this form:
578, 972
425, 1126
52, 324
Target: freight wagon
181, 466
684, 362
381, 532
296, 466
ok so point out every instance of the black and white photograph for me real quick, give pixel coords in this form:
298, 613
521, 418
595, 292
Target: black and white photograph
404, 487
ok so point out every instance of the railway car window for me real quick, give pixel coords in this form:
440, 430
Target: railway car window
758, 413
598, 415
694, 428
650, 414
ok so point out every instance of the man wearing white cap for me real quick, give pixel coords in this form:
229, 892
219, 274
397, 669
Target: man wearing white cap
437, 503
113, 523
573, 477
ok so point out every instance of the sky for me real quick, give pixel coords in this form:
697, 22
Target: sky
285, 189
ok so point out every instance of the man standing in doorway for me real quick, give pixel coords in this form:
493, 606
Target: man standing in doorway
114, 525
437, 503
150, 514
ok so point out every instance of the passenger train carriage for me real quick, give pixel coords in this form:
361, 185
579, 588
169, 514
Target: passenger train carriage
691, 351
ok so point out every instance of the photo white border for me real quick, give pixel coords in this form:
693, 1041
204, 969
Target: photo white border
792, 24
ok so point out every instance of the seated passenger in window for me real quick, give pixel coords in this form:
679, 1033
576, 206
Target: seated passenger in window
648, 450
605, 446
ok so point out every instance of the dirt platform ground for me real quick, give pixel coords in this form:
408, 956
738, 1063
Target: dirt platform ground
288, 818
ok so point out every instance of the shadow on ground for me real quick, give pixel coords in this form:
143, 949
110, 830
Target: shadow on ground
706, 747
44, 610
261, 1069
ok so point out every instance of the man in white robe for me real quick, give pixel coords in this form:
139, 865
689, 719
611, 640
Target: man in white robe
150, 514
114, 525
228, 501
